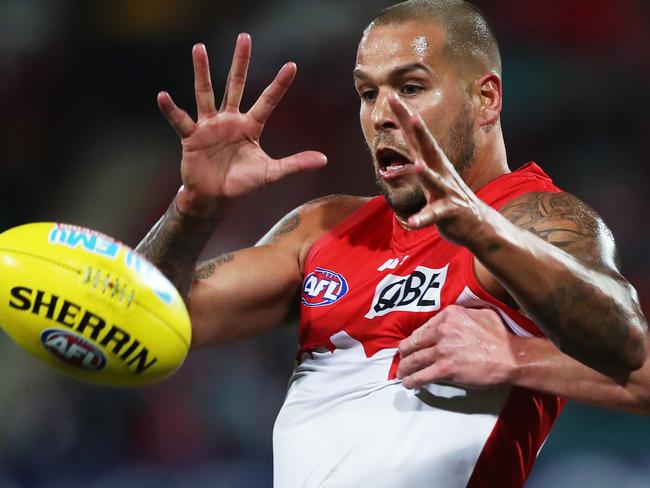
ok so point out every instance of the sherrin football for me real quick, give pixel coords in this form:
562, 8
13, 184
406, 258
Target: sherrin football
90, 306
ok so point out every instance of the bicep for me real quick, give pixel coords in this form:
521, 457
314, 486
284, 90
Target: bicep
567, 223
242, 294
251, 291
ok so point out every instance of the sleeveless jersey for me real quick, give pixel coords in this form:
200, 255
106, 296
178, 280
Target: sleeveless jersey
347, 421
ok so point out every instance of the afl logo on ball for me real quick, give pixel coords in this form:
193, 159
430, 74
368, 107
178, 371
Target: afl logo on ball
73, 349
323, 287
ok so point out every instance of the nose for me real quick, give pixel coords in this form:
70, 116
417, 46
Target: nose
382, 115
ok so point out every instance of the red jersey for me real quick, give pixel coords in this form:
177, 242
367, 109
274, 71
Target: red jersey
347, 421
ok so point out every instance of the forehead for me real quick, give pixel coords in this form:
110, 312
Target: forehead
394, 44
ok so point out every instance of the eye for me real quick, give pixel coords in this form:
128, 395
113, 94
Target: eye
368, 95
411, 89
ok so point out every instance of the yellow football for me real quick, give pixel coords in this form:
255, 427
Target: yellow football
90, 306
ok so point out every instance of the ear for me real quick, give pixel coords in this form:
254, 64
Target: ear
488, 92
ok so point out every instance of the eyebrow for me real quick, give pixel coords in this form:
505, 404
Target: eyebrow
400, 71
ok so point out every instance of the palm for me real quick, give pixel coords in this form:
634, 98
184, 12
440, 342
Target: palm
222, 157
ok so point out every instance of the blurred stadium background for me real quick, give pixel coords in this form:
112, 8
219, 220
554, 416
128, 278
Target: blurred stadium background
83, 142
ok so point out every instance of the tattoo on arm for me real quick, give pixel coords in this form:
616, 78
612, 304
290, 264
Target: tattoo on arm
562, 220
284, 227
206, 269
174, 244
288, 225
580, 308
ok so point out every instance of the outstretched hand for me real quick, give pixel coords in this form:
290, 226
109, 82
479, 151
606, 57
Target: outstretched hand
222, 157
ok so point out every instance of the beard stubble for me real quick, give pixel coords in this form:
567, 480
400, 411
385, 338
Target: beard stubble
460, 148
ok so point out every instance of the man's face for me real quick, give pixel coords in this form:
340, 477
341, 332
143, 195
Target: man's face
407, 59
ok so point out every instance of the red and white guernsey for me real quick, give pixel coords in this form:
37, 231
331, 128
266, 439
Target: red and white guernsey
347, 421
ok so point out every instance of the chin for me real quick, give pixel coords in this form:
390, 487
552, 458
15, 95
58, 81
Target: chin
404, 201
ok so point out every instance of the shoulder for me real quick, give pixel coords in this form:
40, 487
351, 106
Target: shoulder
304, 225
320, 214
331, 209
567, 222
323, 214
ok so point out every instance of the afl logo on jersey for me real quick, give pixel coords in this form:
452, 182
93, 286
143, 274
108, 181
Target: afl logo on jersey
323, 287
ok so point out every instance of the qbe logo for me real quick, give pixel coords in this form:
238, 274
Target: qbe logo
73, 349
323, 287
416, 292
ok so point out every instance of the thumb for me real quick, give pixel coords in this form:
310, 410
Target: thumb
302, 161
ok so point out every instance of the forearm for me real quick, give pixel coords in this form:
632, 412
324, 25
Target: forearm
539, 365
590, 314
174, 245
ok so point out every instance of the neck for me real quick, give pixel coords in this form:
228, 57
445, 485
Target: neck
490, 163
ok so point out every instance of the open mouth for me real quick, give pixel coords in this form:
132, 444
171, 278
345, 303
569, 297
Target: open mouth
391, 162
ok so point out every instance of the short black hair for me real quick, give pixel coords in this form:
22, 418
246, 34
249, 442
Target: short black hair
469, 36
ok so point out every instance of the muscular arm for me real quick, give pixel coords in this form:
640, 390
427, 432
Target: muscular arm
235, 295
473, 349
248, 292
540, 365
251, 291
572, 289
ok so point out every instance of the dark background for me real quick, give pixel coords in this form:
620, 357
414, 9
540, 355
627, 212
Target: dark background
82, 142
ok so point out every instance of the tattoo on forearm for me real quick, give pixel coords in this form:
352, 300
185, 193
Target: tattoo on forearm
206, 269
174, 245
